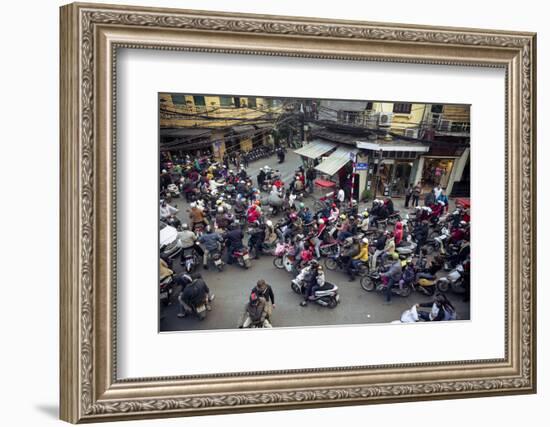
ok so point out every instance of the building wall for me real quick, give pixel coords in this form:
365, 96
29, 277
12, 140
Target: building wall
456, 113
401, 121
186, 104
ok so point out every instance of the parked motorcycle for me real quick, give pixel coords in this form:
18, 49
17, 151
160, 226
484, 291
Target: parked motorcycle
166, 290
375, 281
243, 257
334, 262
216, 258
326, 296
173, 191
285, 257
198, 310
189, 260
453, 281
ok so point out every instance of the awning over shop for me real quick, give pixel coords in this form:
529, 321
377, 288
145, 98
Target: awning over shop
336, 160
243, 129
263, 125
315, 149
184, 138
395, 146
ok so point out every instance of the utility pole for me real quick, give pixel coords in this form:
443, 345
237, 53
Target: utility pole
377, 180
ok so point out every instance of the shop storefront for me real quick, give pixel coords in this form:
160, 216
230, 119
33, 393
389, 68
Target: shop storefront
437, 171
392, 167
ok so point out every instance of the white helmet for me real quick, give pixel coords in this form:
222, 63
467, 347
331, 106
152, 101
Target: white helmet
365, 241
269, 223
164, 171
321, 221
193, 205
220, 209
184, 226
429, 210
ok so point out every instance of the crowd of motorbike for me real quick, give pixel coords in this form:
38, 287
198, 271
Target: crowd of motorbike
234, 220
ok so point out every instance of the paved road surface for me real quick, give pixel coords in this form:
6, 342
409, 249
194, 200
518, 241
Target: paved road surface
232, 287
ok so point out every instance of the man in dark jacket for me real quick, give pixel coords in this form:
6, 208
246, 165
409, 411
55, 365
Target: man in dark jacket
311, 174
210, 241
257, 236
193, 295
265, 291
421, 235
234, 240
261, 178
379, 245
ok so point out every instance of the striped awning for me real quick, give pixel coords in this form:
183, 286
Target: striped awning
315, 149
337, 160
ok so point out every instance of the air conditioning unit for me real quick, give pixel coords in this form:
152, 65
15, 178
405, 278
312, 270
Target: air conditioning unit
385, 119
411, 132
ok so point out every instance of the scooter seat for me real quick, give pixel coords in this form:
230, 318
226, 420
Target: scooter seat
326, 287
404, 250
426, 276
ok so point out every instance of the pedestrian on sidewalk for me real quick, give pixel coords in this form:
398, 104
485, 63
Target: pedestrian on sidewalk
416, 194
311, 174
408, 194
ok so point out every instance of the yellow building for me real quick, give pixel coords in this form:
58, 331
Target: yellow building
397, 116
230, 122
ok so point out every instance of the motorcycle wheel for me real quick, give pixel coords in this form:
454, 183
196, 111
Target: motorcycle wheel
278, 263
405, 292
367, 284
331, 264
295, 288
332, 303
220, 267
442, 286
363, 270
247, 264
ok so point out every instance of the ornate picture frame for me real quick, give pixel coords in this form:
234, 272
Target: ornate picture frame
90, 37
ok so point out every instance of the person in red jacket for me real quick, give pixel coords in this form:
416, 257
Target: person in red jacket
253, 214
398, 233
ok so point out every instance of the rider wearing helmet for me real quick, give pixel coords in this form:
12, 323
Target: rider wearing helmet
270, 233
188, 240
393, 276
318, 238
313, 278
350, 249
211, 242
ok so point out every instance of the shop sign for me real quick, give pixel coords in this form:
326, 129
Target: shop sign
361, 166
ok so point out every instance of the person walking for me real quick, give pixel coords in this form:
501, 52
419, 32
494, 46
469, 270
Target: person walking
311, 174
416, 194
408, 194
265, 291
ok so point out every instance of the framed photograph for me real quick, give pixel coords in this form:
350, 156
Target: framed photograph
268, 212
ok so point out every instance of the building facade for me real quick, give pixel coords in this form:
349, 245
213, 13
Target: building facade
216, 125
392, 146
